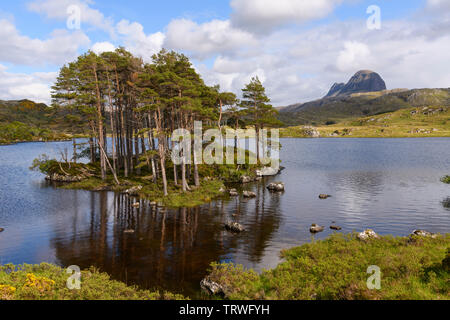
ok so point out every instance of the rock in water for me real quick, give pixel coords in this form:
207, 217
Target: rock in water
211, 287
129, 231
136, 205
234, 227
367, 234
334, 227
134, 191
423, 233
246, 179
324, 196
276, 186
249, 194
362, 81
1, 229
316, 228
267, 171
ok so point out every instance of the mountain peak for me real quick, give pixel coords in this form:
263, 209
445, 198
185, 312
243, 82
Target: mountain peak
362, 81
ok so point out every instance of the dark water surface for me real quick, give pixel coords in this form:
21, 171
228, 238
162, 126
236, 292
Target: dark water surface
389, 185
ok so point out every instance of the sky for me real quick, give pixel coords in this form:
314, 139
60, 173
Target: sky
298, 48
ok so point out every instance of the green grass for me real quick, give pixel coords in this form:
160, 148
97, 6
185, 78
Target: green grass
212, 179
336, 269
446, 179
412, 123
49, 282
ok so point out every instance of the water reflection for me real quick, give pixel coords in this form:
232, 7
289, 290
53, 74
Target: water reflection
389, 185
169, 248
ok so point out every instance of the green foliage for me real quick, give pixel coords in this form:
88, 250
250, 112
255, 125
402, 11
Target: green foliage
336, 268
446, 179
255, 105
49, 282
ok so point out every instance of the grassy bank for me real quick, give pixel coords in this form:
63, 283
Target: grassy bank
49, 282
446, 179
212, 181
405, 123
336, 268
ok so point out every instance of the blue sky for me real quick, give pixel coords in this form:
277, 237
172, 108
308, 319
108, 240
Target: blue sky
298, 47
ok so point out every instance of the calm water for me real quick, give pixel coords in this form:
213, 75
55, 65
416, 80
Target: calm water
390, 185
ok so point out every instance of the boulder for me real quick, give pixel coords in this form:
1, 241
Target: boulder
136, 205
211, 287
276, 186
324, 196
1, 229
249, 194
367, 234
316, 228
311, 132
246, 179
267, 171
334, 227
233, 193
423, 233
234, 227
63, 178
133, 191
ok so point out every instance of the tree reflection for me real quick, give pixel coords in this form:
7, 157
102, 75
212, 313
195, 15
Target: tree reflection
170, 249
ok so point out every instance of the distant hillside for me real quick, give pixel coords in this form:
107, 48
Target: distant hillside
336, 109
411, 122
25, 120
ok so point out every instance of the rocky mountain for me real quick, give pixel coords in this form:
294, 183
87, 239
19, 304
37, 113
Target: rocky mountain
362, 81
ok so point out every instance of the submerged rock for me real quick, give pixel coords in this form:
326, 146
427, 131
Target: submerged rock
211, 287
276, 186
249, 194
234, 227
1, 229
423, 233
324, 196
334, 227
316, 228
367, 234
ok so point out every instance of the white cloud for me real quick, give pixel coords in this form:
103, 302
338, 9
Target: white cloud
439, 4
18, 86
22, 50
204, 40
101, 47
57, 9
137, 42
354, 56
263, 15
